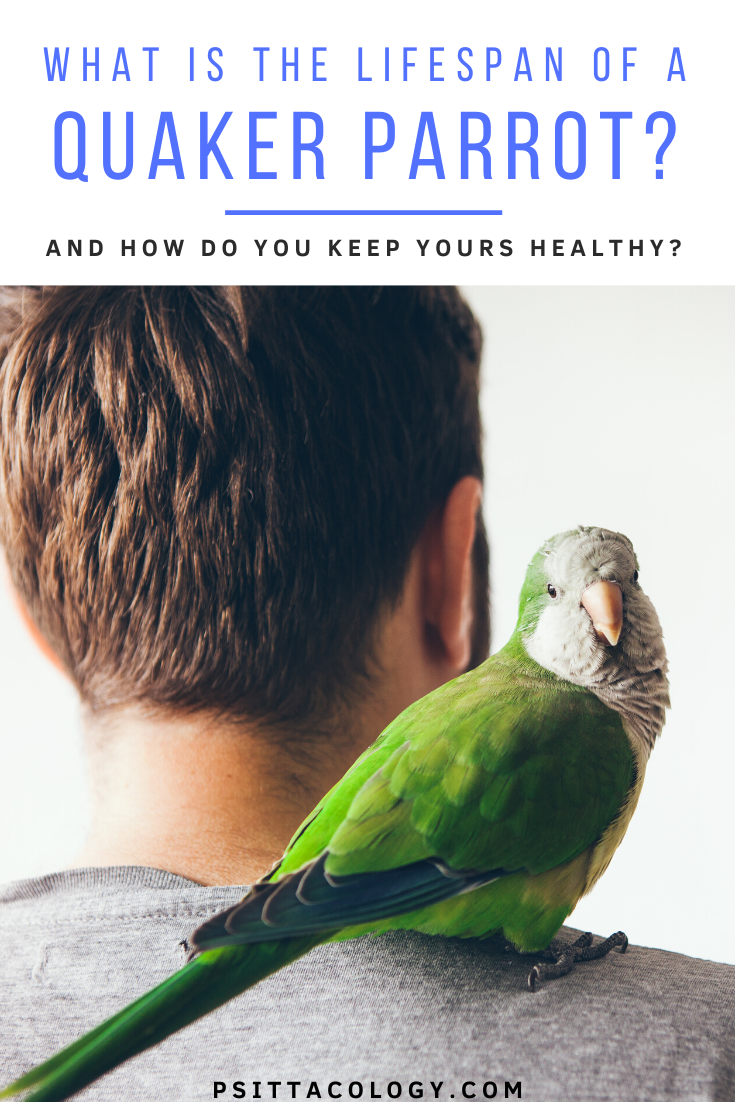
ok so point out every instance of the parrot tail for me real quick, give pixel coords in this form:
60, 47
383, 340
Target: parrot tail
276, 922
198, 988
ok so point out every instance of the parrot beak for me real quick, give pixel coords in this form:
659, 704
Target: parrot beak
603, 602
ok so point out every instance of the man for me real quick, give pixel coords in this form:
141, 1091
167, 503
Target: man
246, 523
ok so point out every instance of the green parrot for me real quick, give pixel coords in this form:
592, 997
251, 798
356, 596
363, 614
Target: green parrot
490, 806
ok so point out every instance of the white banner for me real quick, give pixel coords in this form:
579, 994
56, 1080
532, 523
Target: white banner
472, 142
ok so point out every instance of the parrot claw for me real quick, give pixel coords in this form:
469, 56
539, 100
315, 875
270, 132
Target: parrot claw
563, 964
564, 957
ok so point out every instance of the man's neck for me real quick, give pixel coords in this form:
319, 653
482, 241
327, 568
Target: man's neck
218, 802
211, 801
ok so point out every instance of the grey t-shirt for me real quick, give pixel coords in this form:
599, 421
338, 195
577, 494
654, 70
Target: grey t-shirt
399, 1016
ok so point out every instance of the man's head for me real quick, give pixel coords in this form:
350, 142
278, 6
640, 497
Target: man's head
208, 497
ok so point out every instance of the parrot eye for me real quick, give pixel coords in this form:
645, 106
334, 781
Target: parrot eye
552, 590
635, 576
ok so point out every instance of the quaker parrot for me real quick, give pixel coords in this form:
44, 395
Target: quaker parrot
490, 806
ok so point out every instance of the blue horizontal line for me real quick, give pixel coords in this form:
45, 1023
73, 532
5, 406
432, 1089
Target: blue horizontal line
360, 212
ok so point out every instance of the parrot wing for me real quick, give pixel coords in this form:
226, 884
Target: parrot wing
495, 773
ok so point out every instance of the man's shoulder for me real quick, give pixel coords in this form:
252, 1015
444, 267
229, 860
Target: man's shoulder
397, 1009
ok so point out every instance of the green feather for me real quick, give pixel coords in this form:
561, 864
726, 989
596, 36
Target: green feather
198, 988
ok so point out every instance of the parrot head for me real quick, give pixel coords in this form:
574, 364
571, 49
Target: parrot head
583, 613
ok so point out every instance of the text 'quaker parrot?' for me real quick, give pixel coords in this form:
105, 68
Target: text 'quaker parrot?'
490, 806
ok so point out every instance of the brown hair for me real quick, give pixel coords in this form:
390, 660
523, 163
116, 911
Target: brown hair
207, 495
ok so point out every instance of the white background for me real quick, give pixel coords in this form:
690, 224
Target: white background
609, 406
692, 203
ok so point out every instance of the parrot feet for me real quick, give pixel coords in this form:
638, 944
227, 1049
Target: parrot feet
565, 956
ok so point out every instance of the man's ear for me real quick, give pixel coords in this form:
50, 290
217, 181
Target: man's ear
448, 601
